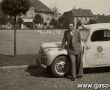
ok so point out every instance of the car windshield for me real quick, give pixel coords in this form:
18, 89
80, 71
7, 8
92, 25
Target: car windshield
84, 34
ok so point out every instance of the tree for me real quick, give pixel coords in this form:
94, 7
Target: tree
15, 8
11, 20
54, 23
38, 19
3, 19
55, 12
45, 24
19, 22
61, 21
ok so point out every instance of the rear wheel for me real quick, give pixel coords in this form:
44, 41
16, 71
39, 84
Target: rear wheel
60, 66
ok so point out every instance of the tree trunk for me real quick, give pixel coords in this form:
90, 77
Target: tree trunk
15, 50
20, 26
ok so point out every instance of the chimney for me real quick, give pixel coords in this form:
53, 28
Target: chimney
103, 14
79, 8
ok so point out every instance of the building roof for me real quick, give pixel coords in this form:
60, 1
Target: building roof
68, 16
39, 6
82, 12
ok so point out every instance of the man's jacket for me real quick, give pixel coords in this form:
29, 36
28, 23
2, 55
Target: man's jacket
73, 42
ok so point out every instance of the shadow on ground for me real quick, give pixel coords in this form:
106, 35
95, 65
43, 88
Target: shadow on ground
9, 60
96, 70
36, 71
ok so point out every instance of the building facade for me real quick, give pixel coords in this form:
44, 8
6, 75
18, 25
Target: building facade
37, 7
81, 15
102, 18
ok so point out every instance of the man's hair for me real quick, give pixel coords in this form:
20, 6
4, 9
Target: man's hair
71, 24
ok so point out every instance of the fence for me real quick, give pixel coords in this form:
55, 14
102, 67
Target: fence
56, 31
50, 31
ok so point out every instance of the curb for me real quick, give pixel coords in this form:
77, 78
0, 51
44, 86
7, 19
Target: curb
14, 67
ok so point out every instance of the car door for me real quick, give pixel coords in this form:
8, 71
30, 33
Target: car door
98, 48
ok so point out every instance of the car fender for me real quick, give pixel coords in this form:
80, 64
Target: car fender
53, 53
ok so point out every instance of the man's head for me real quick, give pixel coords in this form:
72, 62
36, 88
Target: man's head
71, 26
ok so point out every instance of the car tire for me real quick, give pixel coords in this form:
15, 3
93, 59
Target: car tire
60, 66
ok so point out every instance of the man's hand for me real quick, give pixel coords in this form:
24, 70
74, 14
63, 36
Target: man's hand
60, 49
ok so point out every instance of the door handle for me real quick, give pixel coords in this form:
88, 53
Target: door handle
87, 47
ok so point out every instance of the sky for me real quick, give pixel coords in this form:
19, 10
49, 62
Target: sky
96, 6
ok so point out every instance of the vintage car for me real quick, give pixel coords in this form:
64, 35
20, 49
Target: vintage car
95, 45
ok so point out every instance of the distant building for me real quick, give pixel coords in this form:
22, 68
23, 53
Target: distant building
82, 15
37, 7
102, 18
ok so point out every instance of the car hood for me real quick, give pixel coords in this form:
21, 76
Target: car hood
55, 45
51, 45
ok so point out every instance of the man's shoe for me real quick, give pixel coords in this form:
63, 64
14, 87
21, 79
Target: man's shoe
72, 79
79, 77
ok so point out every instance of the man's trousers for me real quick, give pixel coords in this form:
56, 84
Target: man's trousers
76, 65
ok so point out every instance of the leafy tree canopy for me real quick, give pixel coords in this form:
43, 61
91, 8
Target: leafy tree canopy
3, 19
20, 20
15, 7
38, 19
55, 23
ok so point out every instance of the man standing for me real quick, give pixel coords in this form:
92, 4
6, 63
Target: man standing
74, 50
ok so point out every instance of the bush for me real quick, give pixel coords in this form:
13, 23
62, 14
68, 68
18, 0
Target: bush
55, 23
29, 25
19, 22
38, 19
45, 24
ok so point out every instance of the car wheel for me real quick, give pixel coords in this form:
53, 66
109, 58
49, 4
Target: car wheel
60, 66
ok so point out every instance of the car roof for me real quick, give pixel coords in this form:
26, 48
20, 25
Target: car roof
93, 27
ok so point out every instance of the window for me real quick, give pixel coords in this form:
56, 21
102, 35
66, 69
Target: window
107, 33
101, 35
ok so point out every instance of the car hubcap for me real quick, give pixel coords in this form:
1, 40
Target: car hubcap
61, 66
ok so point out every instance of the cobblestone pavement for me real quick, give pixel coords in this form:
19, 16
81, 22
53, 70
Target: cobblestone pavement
35, 78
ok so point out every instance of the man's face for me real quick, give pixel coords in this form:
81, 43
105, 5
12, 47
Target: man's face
70, 27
